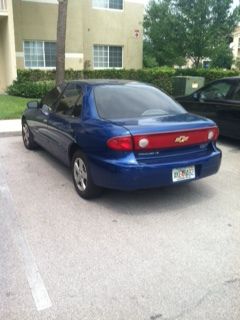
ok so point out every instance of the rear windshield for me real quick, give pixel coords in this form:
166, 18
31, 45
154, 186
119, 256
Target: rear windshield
129, 101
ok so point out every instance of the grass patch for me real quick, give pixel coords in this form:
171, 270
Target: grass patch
12, 107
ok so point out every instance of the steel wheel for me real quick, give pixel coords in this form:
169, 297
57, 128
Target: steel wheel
82, 178
80, 174
26, 134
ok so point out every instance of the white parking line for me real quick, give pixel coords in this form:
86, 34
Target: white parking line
35, 281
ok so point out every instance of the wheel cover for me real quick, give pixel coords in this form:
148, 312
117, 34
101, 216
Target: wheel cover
26, 134
80, 174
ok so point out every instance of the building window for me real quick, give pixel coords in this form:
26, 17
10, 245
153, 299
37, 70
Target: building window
39, 54
107, 57
108, 4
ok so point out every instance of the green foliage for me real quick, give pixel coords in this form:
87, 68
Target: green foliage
222, 57
45, 75
163, 33
149, 61
25, 86
35, 83
35, 75
193, 29
30, 89
237, 63
11, 107
208, 74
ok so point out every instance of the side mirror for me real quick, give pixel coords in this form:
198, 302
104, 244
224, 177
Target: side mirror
46, 110
32, 104
196, 96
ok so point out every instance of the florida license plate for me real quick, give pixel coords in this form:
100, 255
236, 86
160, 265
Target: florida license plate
182, 174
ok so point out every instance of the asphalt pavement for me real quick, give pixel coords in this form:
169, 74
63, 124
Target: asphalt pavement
171, 253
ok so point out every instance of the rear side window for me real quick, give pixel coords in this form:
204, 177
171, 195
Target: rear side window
236, 95
133, 101
216, 91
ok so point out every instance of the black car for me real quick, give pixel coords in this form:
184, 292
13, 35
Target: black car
219, 101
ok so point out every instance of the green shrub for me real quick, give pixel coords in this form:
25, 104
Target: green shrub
28, 89
35, 83
35, 75
32, 82
208, 74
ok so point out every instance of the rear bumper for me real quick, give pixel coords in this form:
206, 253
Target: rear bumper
132, 176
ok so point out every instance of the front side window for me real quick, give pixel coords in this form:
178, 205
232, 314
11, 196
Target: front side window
133, 101
51, 97
70, 103
107, 56
108, 4
216, 91
39, 54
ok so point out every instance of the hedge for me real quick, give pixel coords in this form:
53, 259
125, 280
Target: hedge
208, 74
35, 83
29, 89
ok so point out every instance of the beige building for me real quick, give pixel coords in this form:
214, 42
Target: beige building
236, 43
101, 34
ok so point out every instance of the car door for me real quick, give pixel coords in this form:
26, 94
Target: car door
208, 100
229, 114
39, 124
63, 121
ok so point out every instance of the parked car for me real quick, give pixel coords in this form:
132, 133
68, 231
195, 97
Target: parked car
219, 101
121, 135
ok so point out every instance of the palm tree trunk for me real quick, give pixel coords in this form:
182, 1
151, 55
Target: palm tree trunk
61, 38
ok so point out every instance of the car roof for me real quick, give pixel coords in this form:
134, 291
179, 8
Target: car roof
231, 78
97, 82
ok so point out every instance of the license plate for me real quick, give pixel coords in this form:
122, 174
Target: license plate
182, 174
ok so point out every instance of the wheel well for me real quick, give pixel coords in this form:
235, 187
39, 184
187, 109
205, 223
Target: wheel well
74, 147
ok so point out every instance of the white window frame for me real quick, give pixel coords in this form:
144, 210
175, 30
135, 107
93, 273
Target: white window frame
44, 58
108, 45
109, 9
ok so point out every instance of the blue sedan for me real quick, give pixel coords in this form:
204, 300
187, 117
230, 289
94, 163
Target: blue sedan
121, 135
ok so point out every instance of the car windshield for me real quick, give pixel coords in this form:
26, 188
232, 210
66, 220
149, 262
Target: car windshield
133, 101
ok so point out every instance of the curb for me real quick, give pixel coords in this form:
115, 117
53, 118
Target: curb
10, 128
10, 134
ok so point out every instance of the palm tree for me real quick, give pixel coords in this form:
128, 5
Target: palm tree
61, 39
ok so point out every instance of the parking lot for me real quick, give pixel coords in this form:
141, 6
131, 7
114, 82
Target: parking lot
172, 253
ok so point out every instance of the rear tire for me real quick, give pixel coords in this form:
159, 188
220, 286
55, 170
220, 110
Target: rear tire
27, 136
82, 179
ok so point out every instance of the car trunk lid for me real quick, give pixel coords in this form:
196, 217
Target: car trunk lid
175, 136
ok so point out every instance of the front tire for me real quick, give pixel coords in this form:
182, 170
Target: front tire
27, 136
82, 179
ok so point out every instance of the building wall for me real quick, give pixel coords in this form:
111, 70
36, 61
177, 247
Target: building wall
7, 48
236, 42
2, 66
85, 27
114, 27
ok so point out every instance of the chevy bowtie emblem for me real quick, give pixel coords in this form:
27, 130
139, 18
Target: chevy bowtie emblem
181, 139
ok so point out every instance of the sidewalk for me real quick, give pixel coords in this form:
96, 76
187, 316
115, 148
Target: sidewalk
10, 128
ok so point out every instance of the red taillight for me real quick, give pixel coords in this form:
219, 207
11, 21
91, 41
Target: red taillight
120, 143
163, 140
174, 139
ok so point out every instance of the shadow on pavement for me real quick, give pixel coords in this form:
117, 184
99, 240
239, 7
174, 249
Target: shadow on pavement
230, 142
177, 197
